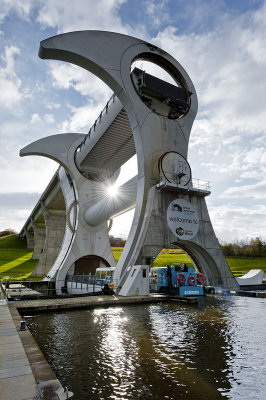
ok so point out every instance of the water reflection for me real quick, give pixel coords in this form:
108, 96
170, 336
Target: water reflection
247, 335
117, 352
190, 349
166, 351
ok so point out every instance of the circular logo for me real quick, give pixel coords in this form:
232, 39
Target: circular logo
180, 231
182, 219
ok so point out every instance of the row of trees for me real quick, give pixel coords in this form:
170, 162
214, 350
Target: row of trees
117, 242
254, 247
245, 248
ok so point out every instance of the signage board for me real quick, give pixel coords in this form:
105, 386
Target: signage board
182, 219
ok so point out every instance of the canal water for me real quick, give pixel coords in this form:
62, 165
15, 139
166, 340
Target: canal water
215, 350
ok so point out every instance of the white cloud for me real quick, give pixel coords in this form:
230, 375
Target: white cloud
122, 224
49, 118
236, 222
65, 76
229, 77
53, 106
82, 118
88, 14
28, 174
157, 12
15, 218
35, 118
256, 191
21, 7
10, 94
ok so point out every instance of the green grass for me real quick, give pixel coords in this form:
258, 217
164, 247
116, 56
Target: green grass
117, 254
16, 262
11, 255
22, 271
13, 242
15, 258
162, 259
167, 259
240, 266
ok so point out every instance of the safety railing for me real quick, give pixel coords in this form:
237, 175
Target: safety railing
178, 179
17, 289
104, 110
84, 278
98, 119
153, 284
76, 284
200, 184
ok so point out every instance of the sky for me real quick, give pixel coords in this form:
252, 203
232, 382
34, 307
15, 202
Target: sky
220, 43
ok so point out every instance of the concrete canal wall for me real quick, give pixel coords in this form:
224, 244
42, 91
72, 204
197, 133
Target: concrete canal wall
24, 371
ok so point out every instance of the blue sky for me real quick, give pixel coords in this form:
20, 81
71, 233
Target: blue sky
222, 46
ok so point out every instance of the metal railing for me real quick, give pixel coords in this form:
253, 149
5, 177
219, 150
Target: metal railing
173, 178
98, 119
153, 284
105, 109
84, 278
201, 184
86, 283
17, 289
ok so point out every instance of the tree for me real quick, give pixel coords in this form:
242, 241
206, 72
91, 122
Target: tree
7, 232
117, 242
242, 248
228, 249
256, 247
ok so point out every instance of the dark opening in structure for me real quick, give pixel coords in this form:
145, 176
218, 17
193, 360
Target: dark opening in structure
88, 265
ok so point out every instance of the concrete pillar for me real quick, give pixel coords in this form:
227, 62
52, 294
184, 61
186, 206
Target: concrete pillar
54, 234
39, 239
203, 249
30, 240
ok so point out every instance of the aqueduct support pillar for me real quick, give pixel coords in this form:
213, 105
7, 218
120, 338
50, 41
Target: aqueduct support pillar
54, 233
39, 239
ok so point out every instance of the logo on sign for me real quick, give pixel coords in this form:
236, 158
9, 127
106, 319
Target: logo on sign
176, 207
180, 231
182, 219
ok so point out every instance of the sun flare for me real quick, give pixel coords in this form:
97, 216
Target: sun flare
112, 191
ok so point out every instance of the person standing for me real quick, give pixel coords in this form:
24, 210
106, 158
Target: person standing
169, 278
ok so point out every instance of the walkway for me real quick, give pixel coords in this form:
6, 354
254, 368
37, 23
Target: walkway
24, 371
68, 303
16, 379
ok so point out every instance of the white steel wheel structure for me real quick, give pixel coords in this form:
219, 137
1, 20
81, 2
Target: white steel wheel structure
146, 116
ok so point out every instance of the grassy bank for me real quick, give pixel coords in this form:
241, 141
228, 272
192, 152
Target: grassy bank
240, 266
16, 262
15, 258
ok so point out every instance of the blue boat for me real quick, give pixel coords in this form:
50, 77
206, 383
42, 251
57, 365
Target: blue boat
179, 279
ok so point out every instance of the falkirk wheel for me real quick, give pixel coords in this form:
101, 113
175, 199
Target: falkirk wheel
148, 117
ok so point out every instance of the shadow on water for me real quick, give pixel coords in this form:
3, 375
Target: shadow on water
164, 351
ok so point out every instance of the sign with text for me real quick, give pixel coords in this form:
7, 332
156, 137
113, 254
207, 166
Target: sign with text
182, 219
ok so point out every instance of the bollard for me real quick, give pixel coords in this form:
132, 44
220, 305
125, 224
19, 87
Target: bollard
66, 391
22, 325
